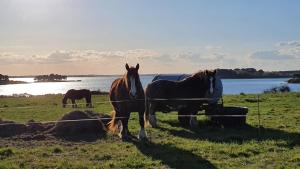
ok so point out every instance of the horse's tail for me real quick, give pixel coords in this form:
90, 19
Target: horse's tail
112, 125
146, 114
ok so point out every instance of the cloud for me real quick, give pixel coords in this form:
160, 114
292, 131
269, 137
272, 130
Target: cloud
271, 55
207, 57
283, 51
288, 44
7, 58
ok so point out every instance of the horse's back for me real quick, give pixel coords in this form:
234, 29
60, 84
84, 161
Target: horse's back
78, 94
160, 88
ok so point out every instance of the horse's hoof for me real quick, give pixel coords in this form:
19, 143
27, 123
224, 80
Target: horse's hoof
153, 121
194, 123
125, 137
142, 135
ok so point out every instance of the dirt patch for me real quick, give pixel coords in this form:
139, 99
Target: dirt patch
10, 128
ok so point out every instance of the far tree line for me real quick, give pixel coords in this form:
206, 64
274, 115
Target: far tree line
52, 77
4, 78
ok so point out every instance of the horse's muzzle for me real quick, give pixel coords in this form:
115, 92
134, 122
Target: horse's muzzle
133, 96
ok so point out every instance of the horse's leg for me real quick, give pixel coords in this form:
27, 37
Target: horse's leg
125, 134
74, 104
119, 123
152, 117
183, 116
142, 133
193, 119
88, 102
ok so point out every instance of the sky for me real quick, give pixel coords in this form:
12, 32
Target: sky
163, 36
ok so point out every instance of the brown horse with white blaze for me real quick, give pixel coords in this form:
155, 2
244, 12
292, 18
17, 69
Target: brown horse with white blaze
126, 96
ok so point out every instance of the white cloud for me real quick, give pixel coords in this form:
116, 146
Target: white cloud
289, 44
283, 51
285, 55
11, 58
271, 55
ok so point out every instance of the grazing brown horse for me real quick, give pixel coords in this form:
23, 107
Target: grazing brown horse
77, 95
126, 96
166, 96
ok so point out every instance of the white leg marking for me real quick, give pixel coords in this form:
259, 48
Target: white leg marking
120, 129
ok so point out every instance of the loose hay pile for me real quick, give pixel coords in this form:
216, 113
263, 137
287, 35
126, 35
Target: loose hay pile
90, 125
65, 127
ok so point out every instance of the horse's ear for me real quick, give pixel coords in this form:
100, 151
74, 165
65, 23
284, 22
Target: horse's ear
127, 66
137, 66
215, 72
206, 72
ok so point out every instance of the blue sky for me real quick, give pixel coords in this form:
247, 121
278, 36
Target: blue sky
164, 36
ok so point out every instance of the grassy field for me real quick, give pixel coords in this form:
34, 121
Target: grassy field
275, 145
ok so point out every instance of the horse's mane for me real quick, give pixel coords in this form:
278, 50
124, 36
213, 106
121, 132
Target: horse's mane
198, 75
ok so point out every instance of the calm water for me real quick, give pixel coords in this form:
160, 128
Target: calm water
231, 86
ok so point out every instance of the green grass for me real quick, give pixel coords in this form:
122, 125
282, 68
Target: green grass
276, 145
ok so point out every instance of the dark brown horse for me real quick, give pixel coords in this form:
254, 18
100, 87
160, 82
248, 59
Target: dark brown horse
126, 96
166, 96
77, 95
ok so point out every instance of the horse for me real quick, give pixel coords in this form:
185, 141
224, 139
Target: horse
167, 96
77, 95
126, 96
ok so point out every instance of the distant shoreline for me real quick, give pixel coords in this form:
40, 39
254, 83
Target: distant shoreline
22, 82
12, 82
227, 77
245, 73
49, 81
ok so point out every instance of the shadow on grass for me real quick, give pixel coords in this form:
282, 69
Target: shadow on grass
207, 131
172, 156
81, 137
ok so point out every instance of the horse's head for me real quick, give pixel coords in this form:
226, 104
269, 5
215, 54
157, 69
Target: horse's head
206, 79
64, 101
210, 82
132, 80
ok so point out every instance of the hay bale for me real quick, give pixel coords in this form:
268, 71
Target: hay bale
75, 128
10, 128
